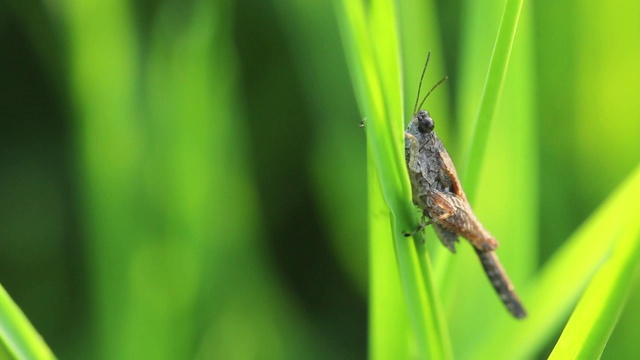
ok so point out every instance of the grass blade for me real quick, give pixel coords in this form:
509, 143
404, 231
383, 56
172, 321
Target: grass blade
17, 334
376, 75
385, 291
597, 313
551, 296
490, 96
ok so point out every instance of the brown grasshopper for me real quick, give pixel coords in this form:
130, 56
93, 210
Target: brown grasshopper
437, 191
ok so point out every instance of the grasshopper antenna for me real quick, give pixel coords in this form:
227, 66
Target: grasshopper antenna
424, 70
415, 107
433, 88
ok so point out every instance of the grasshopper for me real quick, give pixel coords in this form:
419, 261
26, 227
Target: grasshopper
437, 191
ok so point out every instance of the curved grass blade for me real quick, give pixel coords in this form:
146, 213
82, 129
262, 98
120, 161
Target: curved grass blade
552, 296
17, 334
490, 96
597, 313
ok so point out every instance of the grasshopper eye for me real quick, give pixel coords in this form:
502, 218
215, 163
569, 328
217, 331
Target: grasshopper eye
425, 123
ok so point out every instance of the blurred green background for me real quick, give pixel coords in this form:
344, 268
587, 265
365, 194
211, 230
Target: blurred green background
186, 179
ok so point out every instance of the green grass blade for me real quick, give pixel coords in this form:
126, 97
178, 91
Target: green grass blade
597, 313
383, 342
388, 330
372, 54
384, 31
17, 334
561, 281
490, 96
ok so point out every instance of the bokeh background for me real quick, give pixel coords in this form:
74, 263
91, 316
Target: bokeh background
186, 179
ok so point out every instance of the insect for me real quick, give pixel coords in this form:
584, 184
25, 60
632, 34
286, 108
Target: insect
437, 191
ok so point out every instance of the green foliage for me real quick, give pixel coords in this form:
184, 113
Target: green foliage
218, 192
184, 202
514, 130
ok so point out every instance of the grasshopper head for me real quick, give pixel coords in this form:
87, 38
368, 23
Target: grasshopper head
421, 124
425, 122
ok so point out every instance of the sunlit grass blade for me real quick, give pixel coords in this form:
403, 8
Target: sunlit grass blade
376, 77
386, 47
597, 313
561, 281
388, 330
490, 96
17, 334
